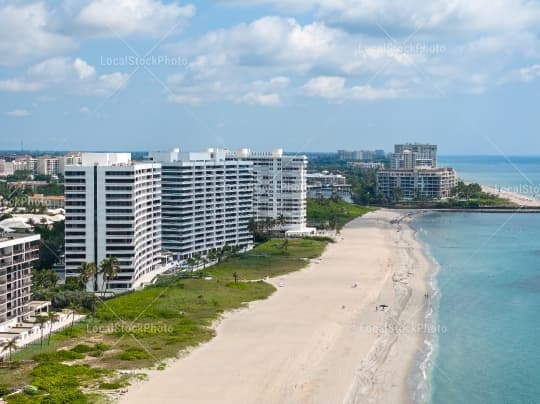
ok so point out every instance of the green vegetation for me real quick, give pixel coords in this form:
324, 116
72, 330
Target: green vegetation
471, 195
143, 328
273, 258
333, 213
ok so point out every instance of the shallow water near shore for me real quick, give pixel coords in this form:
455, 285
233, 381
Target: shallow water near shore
486, 314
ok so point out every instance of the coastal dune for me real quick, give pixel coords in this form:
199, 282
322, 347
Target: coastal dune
322, 337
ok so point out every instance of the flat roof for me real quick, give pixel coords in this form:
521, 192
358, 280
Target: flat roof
6, 237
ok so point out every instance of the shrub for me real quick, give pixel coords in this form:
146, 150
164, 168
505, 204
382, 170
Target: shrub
133, 353
58, 356
82, 348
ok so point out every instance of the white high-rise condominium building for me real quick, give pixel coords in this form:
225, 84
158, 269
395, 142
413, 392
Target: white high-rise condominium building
207, 201
18, 252
113, 209
280, 187
413, 155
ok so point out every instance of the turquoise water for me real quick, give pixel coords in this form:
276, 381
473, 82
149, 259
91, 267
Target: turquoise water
517, 174
487, 311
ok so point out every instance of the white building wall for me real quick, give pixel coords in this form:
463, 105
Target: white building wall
127, 211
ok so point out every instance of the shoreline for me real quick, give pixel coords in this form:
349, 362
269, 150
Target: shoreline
519, 199
319, 336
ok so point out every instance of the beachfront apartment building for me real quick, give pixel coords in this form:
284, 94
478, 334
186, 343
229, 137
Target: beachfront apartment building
207, 201
419, 183
409, 156
280, 187
18, 252
113, 209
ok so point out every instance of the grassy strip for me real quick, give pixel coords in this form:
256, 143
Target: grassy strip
333, 213
144, 328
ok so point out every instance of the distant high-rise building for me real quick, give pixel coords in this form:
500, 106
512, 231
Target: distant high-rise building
280, 187
6, 168
68, 160
18, 253
207, 201
408, 156
26, 163
361, 155
48, 166
113, 209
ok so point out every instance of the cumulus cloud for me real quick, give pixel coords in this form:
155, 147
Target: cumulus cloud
18, 113
334, 88
25, 34
132, 17
402, 18
73, 75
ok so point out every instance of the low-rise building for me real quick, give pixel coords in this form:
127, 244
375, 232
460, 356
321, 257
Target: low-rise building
325, 185
18, 252
418, 183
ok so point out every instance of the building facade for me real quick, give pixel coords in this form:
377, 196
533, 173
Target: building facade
430, 183
18, 252
207, 202
48, 166
113, 209
280, 187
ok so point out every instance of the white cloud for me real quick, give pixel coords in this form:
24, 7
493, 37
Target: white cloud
18, 113
269, 100
75, 76
84, 110
402, 18
334, 88
132, 17
25, 34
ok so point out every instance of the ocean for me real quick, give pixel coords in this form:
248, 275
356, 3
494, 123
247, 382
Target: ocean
484, 316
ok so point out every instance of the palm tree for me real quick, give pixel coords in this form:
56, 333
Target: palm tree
281, 220
191, 262
9, 345
109, 269
88, 270
53, 318
75, 308
41, 320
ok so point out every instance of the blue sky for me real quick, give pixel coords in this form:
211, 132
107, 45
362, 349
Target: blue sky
305, 75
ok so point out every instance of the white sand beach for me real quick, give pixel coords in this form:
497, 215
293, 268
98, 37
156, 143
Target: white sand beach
319, 338
518, 199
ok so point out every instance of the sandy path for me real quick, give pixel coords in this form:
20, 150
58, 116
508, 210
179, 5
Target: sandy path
318, 339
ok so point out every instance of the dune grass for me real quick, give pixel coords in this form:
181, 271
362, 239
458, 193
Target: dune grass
143, 328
